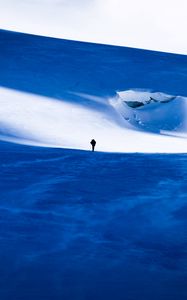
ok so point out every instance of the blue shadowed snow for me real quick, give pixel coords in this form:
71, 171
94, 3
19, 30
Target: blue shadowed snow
80, 225
55, 67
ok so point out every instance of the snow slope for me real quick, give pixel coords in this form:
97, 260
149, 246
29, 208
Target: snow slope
140, 24
35, 120
58, 93
80, 225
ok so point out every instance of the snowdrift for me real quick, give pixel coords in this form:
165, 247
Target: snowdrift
152, 127
153, 111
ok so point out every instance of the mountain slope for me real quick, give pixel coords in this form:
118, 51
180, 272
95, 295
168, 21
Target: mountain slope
63, 93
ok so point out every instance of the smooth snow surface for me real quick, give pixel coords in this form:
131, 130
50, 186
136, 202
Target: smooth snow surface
37, 120
148, 24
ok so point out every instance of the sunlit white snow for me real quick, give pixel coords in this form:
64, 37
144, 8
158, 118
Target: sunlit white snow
153, 111
37, 120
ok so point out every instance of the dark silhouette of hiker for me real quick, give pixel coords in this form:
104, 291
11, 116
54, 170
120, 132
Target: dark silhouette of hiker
93, 143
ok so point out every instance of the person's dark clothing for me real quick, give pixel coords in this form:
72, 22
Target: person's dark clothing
93, 143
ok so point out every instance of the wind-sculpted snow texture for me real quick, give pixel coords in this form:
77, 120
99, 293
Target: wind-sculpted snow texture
153, 112
63, 93
80, 225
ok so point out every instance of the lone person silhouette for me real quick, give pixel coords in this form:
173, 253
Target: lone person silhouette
93, 143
